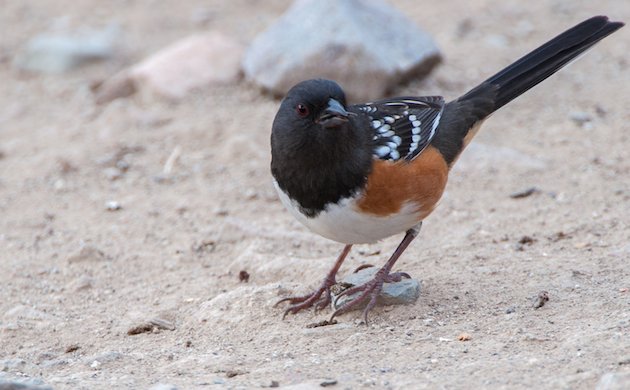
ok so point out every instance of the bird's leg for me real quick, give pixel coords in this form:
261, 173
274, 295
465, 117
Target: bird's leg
373, 288
315, 298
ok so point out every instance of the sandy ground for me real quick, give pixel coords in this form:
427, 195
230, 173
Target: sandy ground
174, 250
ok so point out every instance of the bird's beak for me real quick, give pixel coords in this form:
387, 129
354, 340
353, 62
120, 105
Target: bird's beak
334, 115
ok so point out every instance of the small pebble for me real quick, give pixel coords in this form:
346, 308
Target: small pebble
87, 253
163, 386
524, 193
142, 328
81, 283
122, 165
112, 173
464, 337
524, 241
162, 323
321, 323
541, 299
113, 205
243, 276
72, 348
580, 118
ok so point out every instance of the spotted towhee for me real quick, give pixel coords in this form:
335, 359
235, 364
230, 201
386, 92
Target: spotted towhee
359, 173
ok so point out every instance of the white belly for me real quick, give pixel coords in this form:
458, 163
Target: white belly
345, 224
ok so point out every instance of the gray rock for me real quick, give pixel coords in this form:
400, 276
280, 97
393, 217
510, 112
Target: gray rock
614, 381
367, 46
400, 293
23, 384
56, 53
54, 363
12, 364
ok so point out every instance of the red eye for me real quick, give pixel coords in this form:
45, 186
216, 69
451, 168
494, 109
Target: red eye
302, 110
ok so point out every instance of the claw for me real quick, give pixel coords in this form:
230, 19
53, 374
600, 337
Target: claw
306, 301
362, 266
397, 277
315, 299
291, 300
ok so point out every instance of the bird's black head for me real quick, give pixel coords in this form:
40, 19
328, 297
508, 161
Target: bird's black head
320, 150
310, 108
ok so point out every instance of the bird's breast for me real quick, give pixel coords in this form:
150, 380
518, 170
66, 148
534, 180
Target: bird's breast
346, 223
397, 196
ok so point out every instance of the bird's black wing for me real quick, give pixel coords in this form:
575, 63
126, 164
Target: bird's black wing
403, 126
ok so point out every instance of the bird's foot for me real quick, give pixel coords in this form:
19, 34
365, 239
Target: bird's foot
369, 290
319, 298
316, 299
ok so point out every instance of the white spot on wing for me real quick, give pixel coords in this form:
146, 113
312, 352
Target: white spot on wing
382, 151
417, 102
388, 134
436, 122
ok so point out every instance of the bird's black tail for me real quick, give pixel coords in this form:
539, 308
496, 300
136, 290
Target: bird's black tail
461, 115
546, 60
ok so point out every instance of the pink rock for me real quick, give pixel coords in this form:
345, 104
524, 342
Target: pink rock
192, 63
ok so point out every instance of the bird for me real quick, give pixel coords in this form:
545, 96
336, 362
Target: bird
360, 173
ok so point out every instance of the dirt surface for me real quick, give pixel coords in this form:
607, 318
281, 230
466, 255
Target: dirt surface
93, 298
